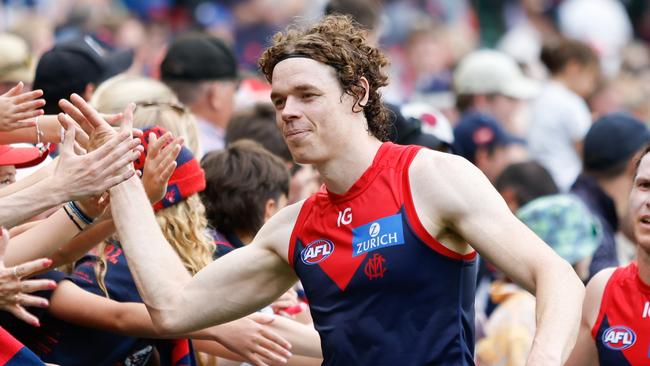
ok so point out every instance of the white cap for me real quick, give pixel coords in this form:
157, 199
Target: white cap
16, 62
433, 121
489, 71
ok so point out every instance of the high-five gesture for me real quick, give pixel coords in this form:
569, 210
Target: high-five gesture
110, 162
16, 107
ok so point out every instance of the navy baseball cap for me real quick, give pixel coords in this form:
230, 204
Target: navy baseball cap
70, 66
478, 129
612, 139
198, 56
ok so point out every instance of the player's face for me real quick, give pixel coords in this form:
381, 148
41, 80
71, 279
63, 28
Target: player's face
640, 204
312, 111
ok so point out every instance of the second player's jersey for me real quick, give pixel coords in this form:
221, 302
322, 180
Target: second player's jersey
622, 329
381, 290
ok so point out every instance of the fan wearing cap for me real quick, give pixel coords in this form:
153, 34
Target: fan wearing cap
611, 148
491, 82
560, 117
564, 223
16, 62
480, 139
76, 66
202, 71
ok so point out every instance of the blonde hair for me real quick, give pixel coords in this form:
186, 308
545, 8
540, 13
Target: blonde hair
156, 105
185, 227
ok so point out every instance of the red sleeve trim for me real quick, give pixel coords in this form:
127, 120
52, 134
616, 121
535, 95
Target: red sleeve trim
300, 221
415, 222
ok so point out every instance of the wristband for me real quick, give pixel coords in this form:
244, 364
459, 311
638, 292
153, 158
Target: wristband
65, 208
39, 134
79, 213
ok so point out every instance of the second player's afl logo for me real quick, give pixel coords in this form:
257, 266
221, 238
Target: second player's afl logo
374, 230
375, 267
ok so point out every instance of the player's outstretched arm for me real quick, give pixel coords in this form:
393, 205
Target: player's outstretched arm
585, 352
464, 202
227, 289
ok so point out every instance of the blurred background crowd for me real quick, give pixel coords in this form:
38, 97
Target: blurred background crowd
549, 98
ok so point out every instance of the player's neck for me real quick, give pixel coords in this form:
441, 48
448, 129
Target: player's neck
643, 262
342, 171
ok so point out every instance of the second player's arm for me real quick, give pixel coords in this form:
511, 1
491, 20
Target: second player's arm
227, 289
464, 201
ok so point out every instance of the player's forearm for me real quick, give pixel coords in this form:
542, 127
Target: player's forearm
304, 339
20, 206
157, 270
559, 294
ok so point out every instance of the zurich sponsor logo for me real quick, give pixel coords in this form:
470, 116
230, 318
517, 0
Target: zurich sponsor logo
618, 338
382, 233
317, 251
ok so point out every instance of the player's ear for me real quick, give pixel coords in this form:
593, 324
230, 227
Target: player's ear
363, 101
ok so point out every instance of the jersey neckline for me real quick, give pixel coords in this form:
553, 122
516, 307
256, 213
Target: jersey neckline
364, 181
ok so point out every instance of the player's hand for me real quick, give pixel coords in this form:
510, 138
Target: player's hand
14, 290
254, 340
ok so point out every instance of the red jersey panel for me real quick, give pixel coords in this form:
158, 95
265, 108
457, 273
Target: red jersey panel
622, 329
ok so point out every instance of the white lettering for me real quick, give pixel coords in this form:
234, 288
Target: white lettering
616, 337
646, 310
313, 252
345, 217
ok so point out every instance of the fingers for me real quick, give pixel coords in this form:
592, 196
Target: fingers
256, 360
91, 115
32, 301
69, 109
15, 90
29, 286
262, 318
22, 314
29, 96
115, 180
3, 244
272, 351
127, 121
81, 136
68, 141
113, 119
276, 342
31, 267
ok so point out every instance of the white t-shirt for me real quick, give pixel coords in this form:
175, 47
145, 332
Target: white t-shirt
559, 119
211, 137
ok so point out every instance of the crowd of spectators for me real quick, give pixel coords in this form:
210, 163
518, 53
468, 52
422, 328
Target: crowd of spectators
550, 104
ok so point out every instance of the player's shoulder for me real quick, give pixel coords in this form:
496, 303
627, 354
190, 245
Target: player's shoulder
594, 294
441, 166
276, 232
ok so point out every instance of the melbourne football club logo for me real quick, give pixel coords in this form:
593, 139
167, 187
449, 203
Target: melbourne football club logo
382, 233
618, 338
317, 251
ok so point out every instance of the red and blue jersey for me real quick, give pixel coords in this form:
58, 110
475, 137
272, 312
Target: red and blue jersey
13, 353
622, 329
381, 289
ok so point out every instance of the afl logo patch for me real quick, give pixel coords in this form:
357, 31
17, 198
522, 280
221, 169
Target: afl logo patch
618, 338
317, 251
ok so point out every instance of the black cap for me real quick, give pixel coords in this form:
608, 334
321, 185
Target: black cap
478, 129
70, 66
199, 56
612, 139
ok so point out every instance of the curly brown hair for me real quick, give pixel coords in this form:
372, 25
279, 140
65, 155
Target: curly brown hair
339, 42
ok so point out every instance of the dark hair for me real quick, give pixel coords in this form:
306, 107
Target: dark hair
609, 172
239, 181
644, 152
257, 123
556, 55
529, 180
365, 12
338, 41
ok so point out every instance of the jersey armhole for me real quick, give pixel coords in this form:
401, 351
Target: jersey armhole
604, 301
300, 221
414, 220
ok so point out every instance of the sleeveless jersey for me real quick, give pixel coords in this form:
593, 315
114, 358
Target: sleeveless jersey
381, 290
622, 329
